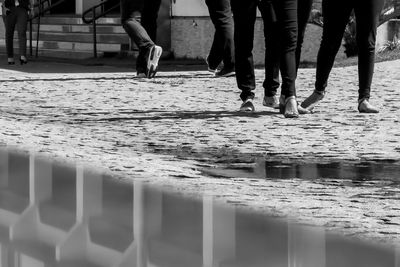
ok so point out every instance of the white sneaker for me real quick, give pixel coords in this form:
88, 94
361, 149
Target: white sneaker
153, 57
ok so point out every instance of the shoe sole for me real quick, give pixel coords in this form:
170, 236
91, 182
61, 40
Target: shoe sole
269, 105
248, 110
229, 74
152, 61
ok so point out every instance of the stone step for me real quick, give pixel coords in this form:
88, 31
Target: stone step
72, 46
63, 53
82, 28
112, 38
77, 20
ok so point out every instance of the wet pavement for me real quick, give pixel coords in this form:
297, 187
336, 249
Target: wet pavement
182, 131
54, 214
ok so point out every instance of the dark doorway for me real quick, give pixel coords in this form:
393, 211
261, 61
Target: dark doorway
63, 7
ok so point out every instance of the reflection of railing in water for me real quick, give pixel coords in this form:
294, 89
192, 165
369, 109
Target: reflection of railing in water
115, 223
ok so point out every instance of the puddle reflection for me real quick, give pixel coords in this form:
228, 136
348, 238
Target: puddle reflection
53, 215
356, 171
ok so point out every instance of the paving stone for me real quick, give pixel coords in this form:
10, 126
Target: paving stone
166, 130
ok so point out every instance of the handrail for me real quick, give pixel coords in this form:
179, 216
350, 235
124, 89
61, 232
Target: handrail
102, 13
94, 17
41, 11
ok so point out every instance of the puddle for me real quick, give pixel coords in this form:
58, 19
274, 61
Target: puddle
356, 171
55, 215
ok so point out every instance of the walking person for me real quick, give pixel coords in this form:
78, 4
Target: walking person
336, 15
139, 19
284, 14
272, 59
15, 15
222, 49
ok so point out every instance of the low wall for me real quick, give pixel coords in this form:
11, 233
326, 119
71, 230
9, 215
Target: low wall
191, 38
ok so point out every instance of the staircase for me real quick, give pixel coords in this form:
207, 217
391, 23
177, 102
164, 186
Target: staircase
70, 37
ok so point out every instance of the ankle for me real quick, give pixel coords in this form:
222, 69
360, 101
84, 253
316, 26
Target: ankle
320, 92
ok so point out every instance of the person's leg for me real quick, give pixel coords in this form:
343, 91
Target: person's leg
244, 14
149, 17
336, 16
367, 18
272, 47
131, 21
222, 48
286, 12
303, 14
22, 24
10, 22
149, 53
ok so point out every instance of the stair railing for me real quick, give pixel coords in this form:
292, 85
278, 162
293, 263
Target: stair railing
90, 16
42, 7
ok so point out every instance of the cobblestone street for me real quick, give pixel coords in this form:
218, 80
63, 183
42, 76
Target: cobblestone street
170, 129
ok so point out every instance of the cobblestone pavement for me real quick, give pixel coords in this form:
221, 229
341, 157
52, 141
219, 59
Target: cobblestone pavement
170, 129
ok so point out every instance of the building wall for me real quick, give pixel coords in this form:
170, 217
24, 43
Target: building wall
192, 37
192, 33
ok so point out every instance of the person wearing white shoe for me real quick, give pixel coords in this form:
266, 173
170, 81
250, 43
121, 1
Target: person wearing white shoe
336, 16
285, 15
139, 19
272, 58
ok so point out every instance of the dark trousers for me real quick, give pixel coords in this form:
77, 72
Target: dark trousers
336, 16
222, 48
271, 82
139, 19
16, 17
285, 17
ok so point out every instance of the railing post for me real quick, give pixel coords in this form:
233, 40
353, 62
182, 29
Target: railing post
38, 28
94, 33
30, 36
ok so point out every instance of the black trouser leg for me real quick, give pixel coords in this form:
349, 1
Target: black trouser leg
303, 14
367, 18
280, 30
149, 17
22, 25
244, 15
10, 22
336, 16
131, 18
286, 12
272, 57
222, 48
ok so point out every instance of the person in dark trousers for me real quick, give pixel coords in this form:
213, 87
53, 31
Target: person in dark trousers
271, 82
222, 49
284, 14
336, 15
139, 19
15, 15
